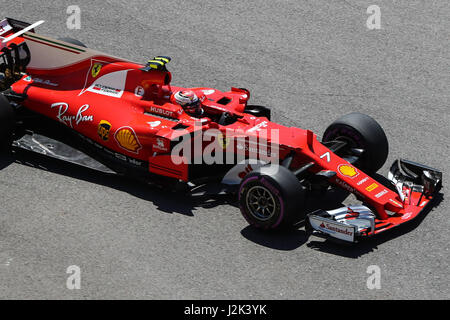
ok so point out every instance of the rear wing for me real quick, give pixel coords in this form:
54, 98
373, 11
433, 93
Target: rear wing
15, 34
24, 51
14, 53
18, 25
47, 55
9, 26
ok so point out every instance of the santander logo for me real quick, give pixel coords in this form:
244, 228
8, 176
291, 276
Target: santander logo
335, 229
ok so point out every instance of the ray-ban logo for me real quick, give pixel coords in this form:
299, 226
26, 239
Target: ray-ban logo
70, 120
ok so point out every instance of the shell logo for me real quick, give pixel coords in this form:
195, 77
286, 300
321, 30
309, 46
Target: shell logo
348, 171
127, 139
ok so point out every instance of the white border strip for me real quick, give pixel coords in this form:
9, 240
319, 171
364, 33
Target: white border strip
15, 35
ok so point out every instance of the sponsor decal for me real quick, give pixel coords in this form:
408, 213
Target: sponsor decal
208, 92
4, 27
240, 170
106, 90
154, 124
347, 187
260, 150
163, 112
396, 202
41, 81
139, 91
135, 162
223, 141
360, 182
96, 68
372, 187
103, 130
127, 139
258, 127
110, 84
70, 120
46, 82
161, 144
348, 170
407, 215
334, 228
246, 171
120, 156
117, 155
380, 194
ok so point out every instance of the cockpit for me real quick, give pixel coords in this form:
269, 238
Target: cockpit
193, 101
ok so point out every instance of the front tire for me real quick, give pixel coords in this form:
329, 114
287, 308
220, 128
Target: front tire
271, 197
361, 132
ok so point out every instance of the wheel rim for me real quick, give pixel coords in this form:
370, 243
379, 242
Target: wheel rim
347, 140
260, 203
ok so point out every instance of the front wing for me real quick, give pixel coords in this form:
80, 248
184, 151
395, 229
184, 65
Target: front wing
416, 184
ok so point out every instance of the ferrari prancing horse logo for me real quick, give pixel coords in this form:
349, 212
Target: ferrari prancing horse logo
96, 69
223, 141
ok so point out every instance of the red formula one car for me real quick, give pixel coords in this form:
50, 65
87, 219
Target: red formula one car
61, 99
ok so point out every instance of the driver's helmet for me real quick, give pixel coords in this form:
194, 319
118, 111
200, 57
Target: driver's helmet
188, 100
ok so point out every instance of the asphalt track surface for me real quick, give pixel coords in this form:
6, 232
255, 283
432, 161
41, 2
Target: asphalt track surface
311, 61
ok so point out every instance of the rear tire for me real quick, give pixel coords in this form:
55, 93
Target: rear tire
362, 132
7, 123
271, 197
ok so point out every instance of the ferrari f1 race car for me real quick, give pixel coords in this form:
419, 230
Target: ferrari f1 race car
64, 100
